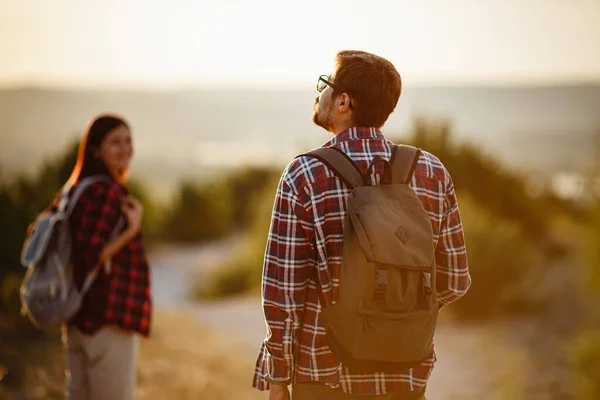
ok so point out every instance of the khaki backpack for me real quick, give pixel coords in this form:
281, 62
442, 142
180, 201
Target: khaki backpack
386, 313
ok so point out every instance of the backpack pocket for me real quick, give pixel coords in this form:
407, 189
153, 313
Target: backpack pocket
390, 335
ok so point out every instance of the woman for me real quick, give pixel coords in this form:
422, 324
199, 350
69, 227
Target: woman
102, 340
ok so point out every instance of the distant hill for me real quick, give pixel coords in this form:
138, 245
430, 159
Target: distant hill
187, 133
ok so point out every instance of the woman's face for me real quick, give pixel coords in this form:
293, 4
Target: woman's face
116, 151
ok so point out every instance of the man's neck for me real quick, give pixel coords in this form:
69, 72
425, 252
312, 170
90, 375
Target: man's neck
341, 127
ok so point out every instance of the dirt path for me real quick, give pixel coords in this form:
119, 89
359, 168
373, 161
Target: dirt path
474, 361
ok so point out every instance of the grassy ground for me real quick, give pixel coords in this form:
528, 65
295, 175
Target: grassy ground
183, 360
186, 360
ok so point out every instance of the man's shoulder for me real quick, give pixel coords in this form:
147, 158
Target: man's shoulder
431, 167
304, 170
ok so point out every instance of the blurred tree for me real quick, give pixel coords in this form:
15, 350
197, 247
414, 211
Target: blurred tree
247, 183
216, 209
495, 187
501, 258
200, 214
242, 272
585, 351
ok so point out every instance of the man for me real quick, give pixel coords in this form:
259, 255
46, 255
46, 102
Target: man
301, 273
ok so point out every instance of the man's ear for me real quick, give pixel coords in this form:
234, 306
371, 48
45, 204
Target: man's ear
343, 103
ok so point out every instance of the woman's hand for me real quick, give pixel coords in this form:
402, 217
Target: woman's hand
133, 211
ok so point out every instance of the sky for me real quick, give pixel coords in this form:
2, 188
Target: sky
146, 43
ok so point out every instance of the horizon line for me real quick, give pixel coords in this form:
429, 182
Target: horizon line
200, 87
275, 84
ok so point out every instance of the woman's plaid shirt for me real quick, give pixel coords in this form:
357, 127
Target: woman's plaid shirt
121, 298
310, 207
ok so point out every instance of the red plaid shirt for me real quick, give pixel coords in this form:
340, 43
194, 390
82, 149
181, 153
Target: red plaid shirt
122, 297
310, 207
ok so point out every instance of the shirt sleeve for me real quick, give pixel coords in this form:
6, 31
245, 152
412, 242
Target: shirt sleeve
100, 213
286, 271
453, 278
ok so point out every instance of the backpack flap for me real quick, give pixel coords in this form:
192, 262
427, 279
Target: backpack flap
36, 244
392, 226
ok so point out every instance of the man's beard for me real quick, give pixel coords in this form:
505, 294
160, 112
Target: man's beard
320, 119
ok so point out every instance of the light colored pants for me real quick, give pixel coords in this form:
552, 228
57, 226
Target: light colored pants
102, 366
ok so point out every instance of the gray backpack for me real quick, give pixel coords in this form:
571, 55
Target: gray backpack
385, 317
48, 293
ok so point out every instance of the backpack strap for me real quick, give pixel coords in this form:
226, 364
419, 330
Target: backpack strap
68, 205
91, 276
404, 161
340, 164
348, 172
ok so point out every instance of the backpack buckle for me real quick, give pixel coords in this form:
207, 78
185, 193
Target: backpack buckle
427, 283
53, 290
381, 283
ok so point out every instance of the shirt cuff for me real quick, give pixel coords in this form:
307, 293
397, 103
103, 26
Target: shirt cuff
272, 381
278, 370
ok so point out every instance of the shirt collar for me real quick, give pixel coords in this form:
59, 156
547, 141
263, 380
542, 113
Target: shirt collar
356, 133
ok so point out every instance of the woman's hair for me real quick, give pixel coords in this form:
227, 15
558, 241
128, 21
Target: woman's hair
87, 162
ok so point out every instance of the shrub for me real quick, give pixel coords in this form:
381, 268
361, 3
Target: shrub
242, 273
585, 350
501, 258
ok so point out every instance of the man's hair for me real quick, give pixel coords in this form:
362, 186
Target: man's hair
371, 81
